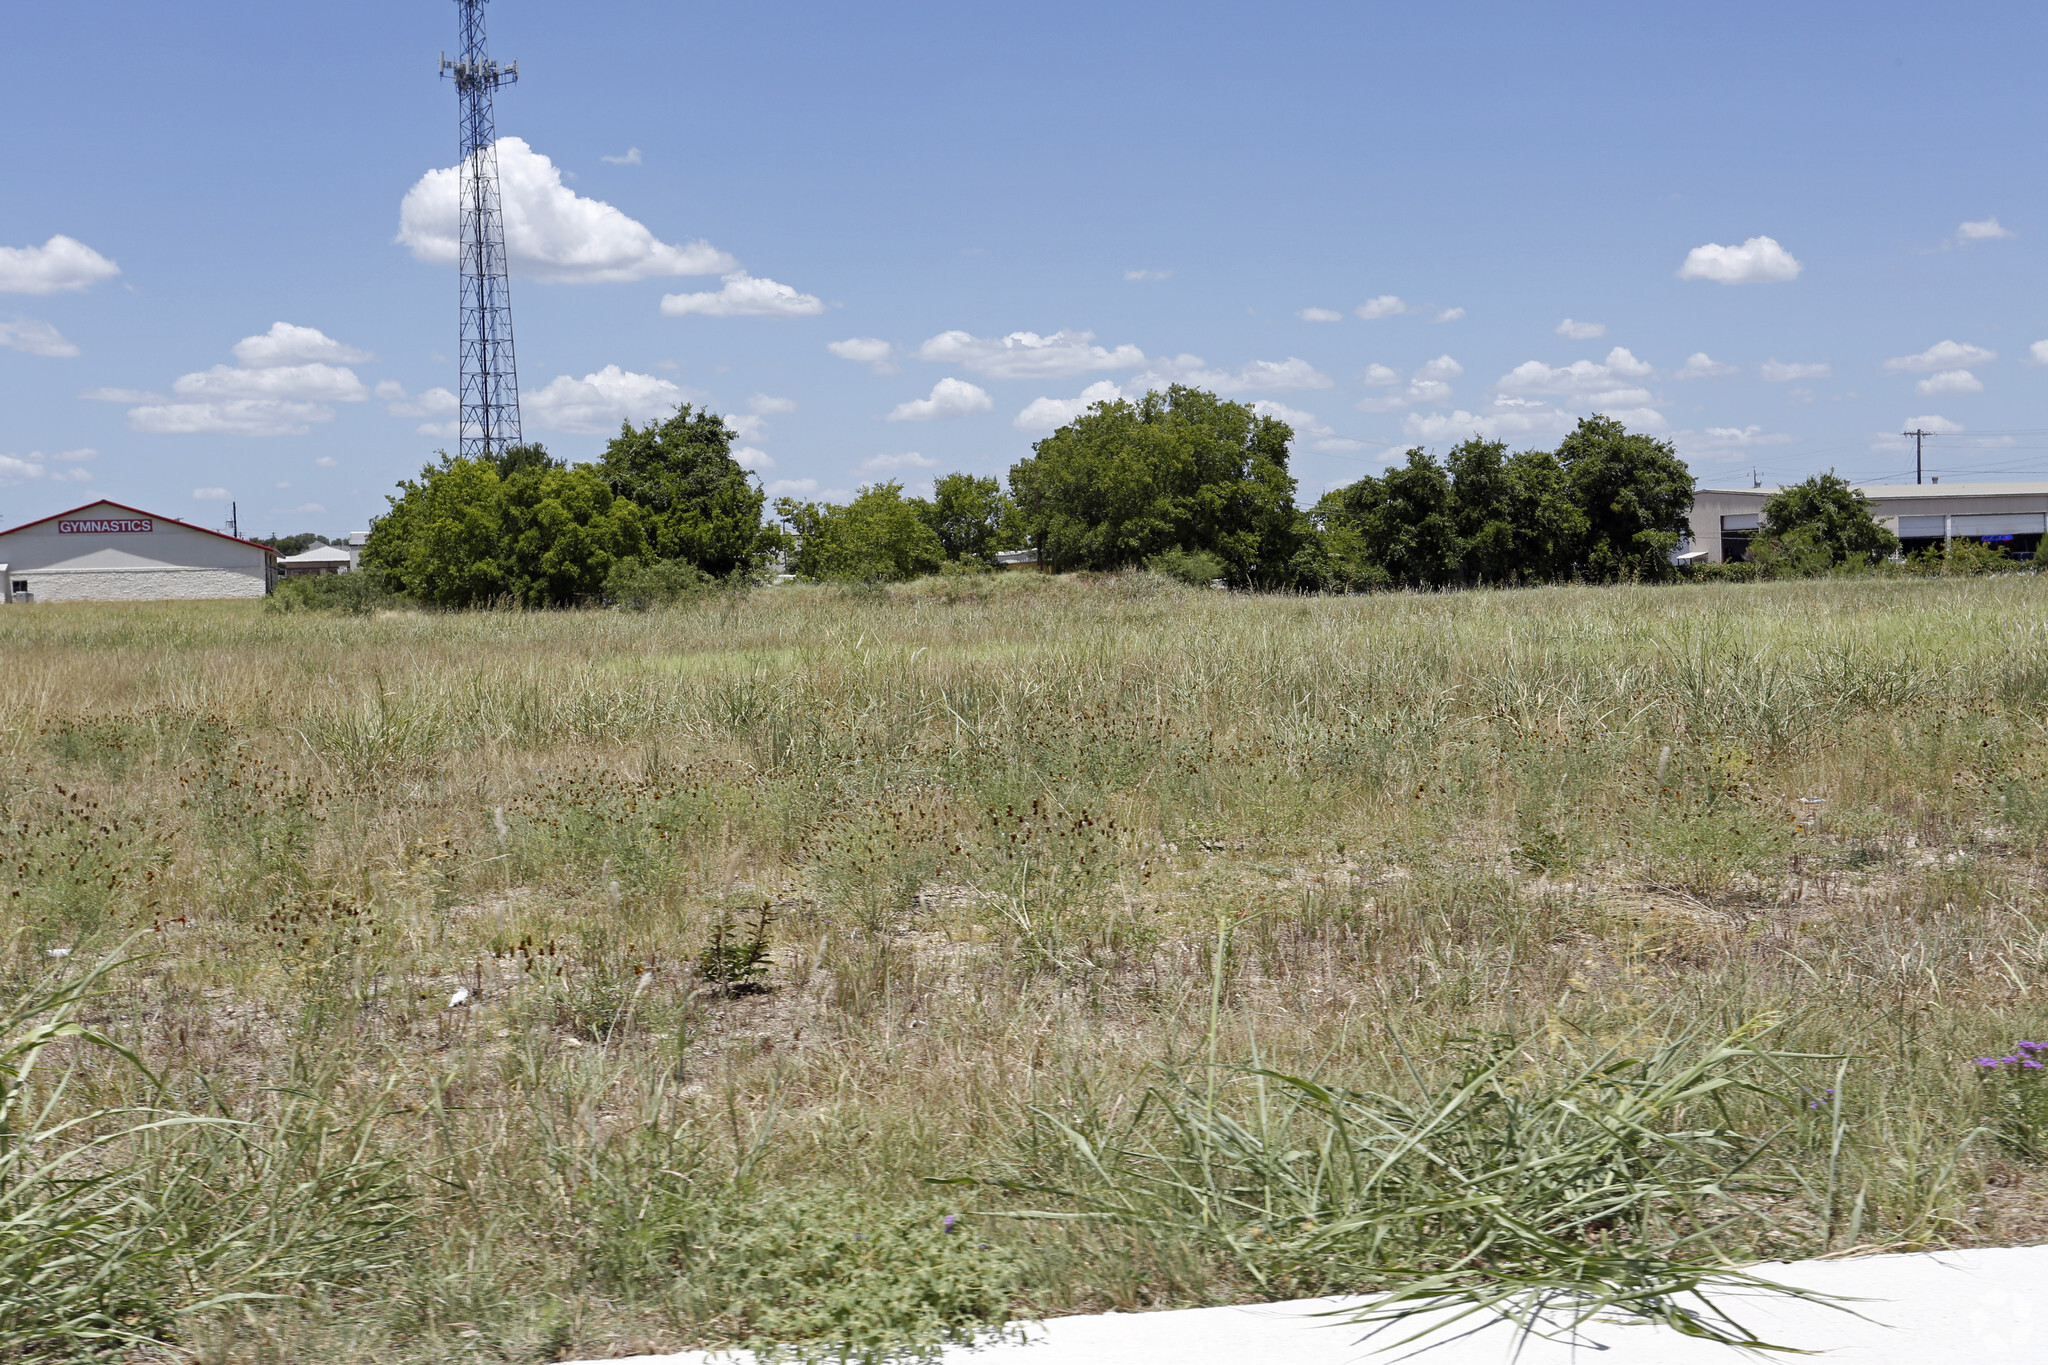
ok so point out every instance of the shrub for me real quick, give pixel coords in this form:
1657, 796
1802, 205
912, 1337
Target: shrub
2016, 1099
821, 1275
638, 584
1548, 1196
355, 594
1196, 568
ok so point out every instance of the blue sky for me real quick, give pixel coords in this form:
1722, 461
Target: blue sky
920, 233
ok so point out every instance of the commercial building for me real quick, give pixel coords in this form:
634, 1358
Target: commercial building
110, 552
319, 559
2011, 515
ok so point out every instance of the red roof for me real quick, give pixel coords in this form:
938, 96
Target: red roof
109, 502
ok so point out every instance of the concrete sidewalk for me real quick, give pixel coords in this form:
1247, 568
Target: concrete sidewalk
1979, 1307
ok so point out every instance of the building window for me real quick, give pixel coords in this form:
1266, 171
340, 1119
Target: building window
21, 585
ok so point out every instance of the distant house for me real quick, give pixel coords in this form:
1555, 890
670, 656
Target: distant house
2013, 516
319, 559
110, 552
1016, 559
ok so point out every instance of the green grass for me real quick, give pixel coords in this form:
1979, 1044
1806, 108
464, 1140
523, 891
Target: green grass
997, 824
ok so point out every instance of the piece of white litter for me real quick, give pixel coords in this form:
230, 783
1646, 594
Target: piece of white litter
461, 997
1974, 1307
1813, 800
60, 952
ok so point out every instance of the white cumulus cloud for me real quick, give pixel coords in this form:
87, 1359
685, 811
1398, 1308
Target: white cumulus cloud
283, 385
434, 402
1933, 423
744, 296
1725, 442
1949, 382
1449, 315
1427, 385
57, 265
314, 383
1581, 331
1384, 306
873, 352
35, 465
1760, 260
631, 158
1603, 384
1050, 414
748, 457
949, 398
210, 494
326, 462
552, 234
1138, 275
909, 459
766, 404
229, 417
1027, 355
1291, 375
1308, 428
1700, 365
1942, 355
1982, 230
1783, 372
1320, 315
2037, 354
288, 344
599, 402
122, 396
37, 338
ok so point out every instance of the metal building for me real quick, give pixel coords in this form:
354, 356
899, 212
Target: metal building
2011, 515
110, 552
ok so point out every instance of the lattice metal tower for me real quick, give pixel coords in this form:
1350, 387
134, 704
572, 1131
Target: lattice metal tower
490, 377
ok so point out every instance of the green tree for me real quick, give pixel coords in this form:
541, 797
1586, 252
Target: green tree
1405, 520
878, 537
462, 535
1827, 522
1549, 524
701, 506
1635, 493
1180, 470
972, 517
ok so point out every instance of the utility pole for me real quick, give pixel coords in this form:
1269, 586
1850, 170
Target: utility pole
235, 520
1918, 436
489, 421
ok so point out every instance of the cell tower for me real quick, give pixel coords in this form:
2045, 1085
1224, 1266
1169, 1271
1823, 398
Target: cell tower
490, 377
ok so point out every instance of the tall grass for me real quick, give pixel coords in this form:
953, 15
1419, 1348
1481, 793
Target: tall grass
995, 824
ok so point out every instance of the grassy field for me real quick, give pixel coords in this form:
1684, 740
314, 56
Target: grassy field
1025, 850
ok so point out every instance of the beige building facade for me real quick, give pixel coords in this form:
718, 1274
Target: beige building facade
2013, 516
109, 552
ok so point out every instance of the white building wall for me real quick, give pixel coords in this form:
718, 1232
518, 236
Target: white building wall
63, 561
158, 584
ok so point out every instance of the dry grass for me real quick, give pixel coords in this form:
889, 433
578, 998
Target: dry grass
999, 823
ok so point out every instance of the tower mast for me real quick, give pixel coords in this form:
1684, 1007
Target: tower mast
489, 421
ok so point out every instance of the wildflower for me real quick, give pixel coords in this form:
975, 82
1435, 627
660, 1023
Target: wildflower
1987, 1061
951, 1219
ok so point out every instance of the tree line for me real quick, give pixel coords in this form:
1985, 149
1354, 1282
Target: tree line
1180, 480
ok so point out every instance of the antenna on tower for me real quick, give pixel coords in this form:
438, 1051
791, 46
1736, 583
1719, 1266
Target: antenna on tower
489, 421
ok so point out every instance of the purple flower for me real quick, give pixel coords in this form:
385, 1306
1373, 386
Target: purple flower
1987, 1061
951, 1219
2031, 1064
